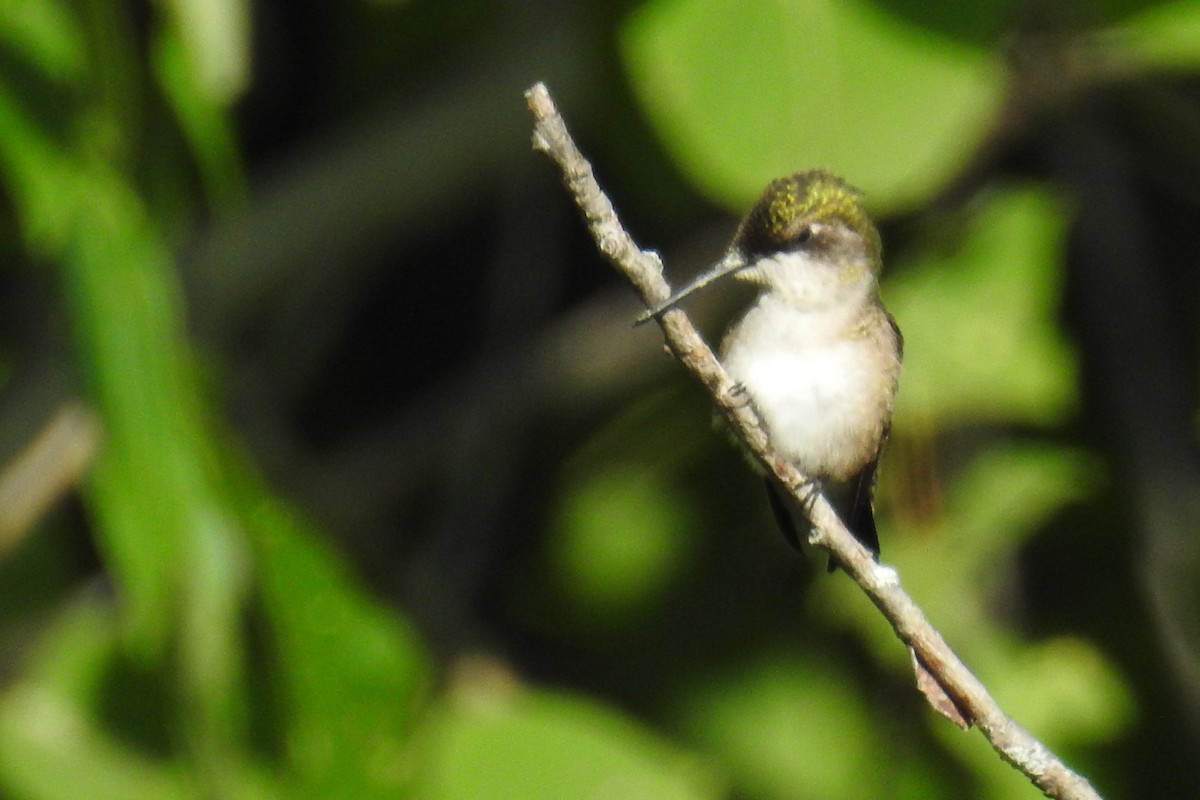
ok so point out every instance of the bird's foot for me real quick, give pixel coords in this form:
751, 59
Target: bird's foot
739, 397
808, 491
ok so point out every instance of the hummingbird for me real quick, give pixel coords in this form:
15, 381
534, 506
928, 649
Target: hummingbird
816, 353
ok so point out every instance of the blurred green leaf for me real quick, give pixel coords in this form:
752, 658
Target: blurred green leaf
622, 528
55, 744
128, 329
1165, 35
982, 22
987, 22
351, 673
215, 38
745, 92
50, 751
38, 175
1109, 12
787, 727
619, 539
169, 537
76, 652
980, 337
1063, 690
999, 500
47, 34
495, 740
178, 543
1066, 690
51, 745
182, 532
202, 118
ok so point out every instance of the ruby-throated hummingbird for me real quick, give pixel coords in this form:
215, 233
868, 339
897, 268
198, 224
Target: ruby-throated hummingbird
817, 353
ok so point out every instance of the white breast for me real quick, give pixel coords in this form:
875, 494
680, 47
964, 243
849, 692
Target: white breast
819, 398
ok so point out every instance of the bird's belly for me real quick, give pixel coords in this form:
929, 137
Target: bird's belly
821, 406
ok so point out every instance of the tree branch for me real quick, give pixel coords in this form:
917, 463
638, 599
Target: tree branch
881, 583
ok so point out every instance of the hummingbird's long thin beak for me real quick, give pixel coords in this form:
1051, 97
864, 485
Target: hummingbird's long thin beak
731, 262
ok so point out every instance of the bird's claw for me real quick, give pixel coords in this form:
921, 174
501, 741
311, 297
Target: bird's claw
807, 491
738, 396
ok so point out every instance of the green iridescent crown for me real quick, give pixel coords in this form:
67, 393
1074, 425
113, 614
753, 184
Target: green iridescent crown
788, 205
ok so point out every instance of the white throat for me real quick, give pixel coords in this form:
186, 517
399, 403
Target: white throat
811, 283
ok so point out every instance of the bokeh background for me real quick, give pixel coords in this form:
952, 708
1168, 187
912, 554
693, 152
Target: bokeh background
332, 466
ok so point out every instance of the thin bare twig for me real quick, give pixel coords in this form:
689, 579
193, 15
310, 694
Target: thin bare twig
881, 583
46, 468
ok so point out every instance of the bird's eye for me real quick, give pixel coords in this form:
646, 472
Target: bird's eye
802, 236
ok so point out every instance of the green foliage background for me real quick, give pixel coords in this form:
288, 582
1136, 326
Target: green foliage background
389, 500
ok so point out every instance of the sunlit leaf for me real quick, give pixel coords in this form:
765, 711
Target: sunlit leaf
48, 717
351, 673
981, 340
203, 119
152, 488
745, 92
1066, 689
495, 742
787, 727
57, 732
216, 43
48, 751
